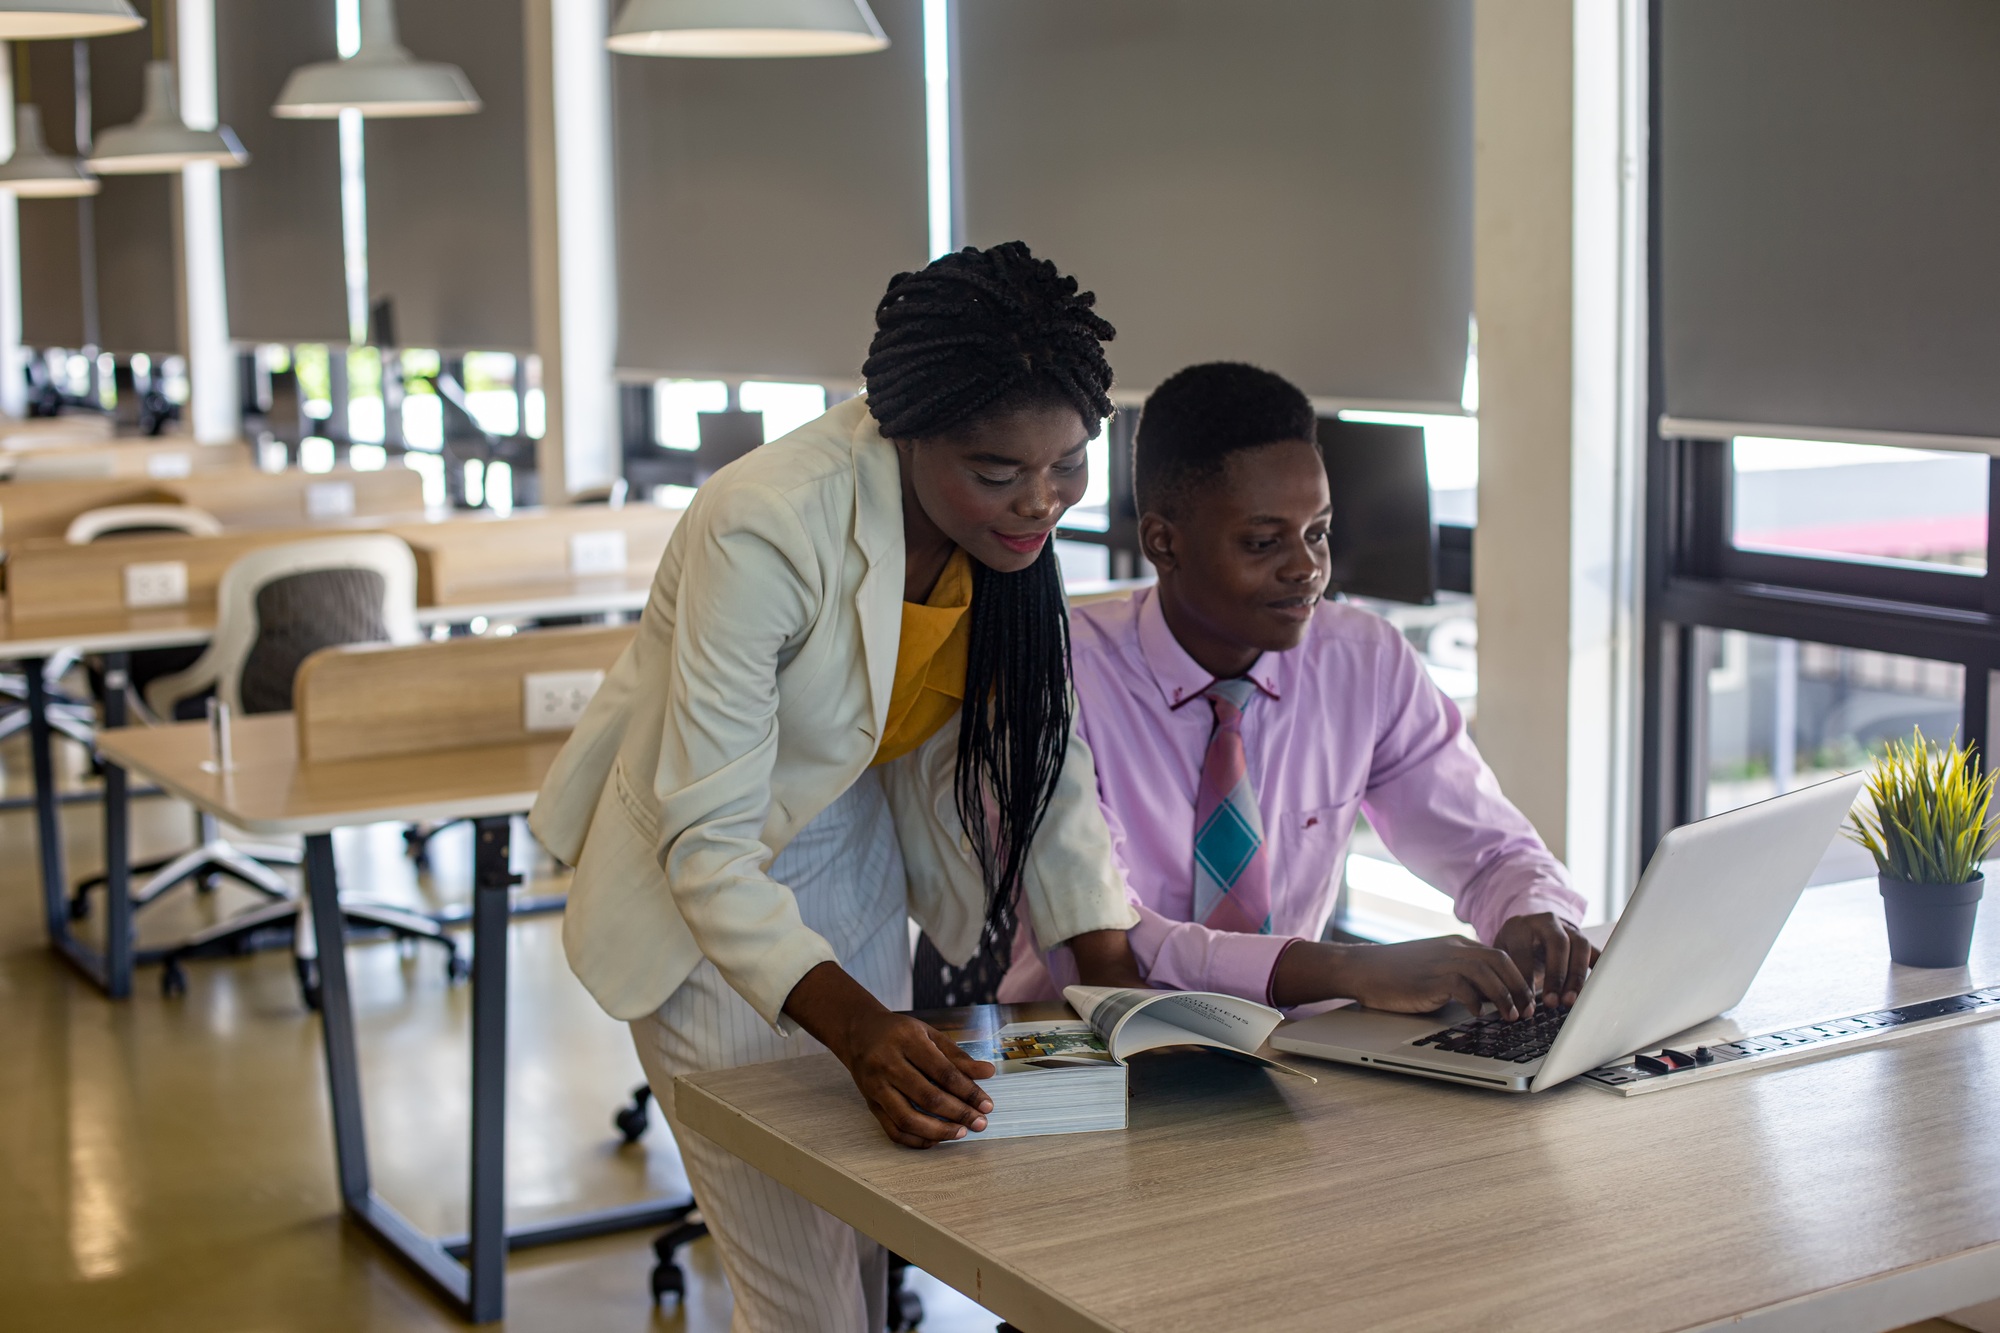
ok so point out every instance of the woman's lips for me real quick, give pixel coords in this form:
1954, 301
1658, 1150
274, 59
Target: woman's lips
1023, 545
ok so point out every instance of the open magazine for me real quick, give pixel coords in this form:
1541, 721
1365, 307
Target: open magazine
1069, 1076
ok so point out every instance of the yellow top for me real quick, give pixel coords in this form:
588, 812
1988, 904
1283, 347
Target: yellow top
930, 662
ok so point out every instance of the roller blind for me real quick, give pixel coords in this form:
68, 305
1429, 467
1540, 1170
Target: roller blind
448, 195
1287, 182
133, 216
763, 205
281, 238
51, 260
1829, 207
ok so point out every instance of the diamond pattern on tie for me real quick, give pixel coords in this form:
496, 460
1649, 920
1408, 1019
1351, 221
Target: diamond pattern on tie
1226, 844
1232, 868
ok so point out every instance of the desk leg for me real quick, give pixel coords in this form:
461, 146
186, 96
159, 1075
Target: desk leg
491, 880
336, 1012
48, 809
475, 1287
117, 841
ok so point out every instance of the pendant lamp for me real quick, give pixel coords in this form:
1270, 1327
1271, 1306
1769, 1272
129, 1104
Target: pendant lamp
159, 140
737, 28
380, 79
36, 173
39, 20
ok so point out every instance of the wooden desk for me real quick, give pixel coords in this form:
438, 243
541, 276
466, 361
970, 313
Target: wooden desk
1861, 1192
273, 791
116, 633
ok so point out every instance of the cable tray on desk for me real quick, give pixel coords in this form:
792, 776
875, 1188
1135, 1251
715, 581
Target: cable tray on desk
1630, 1077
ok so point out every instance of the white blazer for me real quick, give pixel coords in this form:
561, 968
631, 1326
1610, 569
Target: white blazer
754, 694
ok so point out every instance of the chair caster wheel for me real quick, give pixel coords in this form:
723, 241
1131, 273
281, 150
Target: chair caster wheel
631, 1123
456, 967
668, 1278
173, 981
308, 970
906, 1311
79, 907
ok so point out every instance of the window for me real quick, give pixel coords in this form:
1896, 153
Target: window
489, 392
1859, 502
1784, 714
677, 405
786, 407
1807, 601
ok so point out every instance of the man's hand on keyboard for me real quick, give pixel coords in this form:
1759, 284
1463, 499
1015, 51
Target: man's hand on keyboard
1412, 978
1551, 951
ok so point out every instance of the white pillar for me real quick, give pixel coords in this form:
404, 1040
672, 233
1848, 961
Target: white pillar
214, 397
13, 385
573, 242
1559, 211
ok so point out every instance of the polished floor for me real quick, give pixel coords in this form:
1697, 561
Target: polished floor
166, 1164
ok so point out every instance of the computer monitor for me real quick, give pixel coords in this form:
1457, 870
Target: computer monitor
725, 437
1382, 540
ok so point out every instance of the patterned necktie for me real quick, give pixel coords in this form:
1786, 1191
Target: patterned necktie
1232, 871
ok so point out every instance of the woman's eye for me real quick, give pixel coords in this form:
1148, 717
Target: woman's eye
1316, 536
1261, 544
985, 480
1071, 469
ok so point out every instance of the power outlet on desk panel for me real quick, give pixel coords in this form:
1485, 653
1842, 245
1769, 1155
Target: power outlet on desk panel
600, 552
554, 700
156, 583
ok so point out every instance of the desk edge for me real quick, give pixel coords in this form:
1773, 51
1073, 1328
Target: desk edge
943, 1254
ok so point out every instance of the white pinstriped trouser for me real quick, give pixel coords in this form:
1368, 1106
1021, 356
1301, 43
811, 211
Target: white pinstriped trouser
792, 1267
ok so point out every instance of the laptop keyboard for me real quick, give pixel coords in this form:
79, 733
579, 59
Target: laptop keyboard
1518, 1042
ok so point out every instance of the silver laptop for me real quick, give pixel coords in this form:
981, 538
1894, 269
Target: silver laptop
1705, 914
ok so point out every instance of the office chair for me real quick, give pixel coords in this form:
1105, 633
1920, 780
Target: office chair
276, 607
212, 857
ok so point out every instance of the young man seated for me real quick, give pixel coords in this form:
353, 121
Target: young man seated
1240, 723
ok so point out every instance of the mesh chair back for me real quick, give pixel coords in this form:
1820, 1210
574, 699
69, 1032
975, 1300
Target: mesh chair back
298, 615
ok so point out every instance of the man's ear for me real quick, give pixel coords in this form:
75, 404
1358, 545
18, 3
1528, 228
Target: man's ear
1159, 541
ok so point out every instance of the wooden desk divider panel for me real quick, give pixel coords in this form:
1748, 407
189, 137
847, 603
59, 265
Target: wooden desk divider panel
239, 497
373, 700
51, 578
126, 460
458, 557
249, 498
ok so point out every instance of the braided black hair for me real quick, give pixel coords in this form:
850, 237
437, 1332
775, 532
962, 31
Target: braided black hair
975, 335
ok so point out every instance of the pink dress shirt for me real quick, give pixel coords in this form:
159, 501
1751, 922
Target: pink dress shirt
1346, 722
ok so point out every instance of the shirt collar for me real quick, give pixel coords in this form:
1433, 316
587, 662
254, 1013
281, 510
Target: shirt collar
1179, 677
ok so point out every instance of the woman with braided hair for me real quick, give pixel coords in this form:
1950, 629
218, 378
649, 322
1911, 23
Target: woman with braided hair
848, 704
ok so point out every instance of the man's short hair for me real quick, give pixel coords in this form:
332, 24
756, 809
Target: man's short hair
1199, 417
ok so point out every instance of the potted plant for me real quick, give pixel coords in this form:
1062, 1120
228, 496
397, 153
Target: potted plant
1924, 820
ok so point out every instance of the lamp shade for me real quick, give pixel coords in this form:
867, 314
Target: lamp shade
32, 20
36, 173
380, 79
159, 140
740, 28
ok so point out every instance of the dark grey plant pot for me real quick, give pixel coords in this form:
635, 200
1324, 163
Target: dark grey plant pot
1930, 925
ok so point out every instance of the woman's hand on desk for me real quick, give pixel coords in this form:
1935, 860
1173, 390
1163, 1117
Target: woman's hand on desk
1412, 978
915, 1079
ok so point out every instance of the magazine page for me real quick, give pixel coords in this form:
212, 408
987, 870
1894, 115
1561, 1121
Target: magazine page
1139, 1020
1020, 1047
